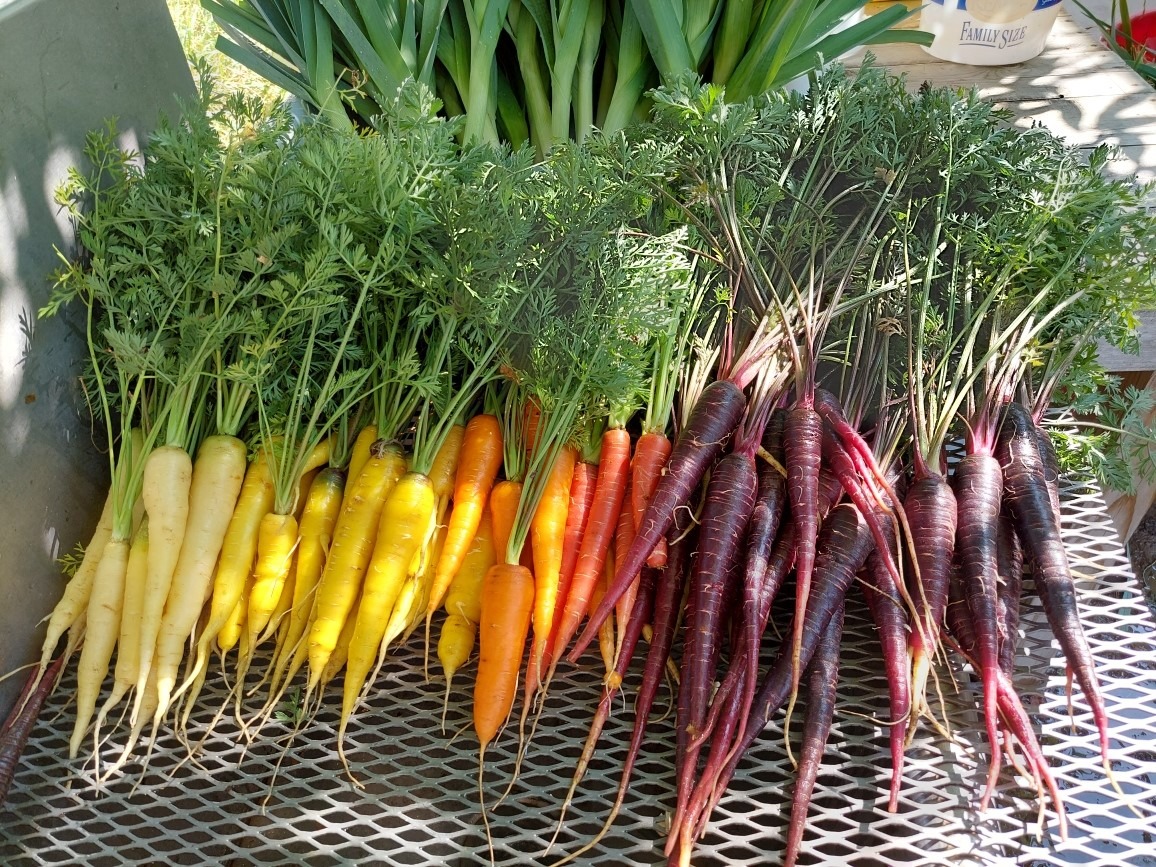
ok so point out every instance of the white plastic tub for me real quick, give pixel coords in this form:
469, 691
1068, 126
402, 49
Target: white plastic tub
988, 32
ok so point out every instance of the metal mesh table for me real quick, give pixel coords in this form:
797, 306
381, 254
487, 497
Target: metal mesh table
419, 804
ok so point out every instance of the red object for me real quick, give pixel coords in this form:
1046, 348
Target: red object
1143, 33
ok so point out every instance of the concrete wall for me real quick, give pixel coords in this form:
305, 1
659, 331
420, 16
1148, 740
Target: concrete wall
65, 66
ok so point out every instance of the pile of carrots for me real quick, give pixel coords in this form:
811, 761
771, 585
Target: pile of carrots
459, 384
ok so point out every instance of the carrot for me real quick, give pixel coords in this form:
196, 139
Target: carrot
761, 534
715, 416
478, 465
623, 535
1010, 562
18, 726
643, 601
931, 513
507, 609
978, 482
582, 489
548, 532
730, 499
318, 520
408, 519
803, 436
102, 629
359, 453
463, 604
614, 460
73, 602
651, 453
237, 552
844, 542
276, 544
503, 507
667, 595
959, 623
1039, 529
127, 646
353, 542
217, 482
890, 617
824, 675
606, 632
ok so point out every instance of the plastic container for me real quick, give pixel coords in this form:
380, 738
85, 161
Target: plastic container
988, 32
1143, 33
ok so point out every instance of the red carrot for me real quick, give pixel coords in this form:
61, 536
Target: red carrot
978, 483
650, 455
581, 497
623, 536
18, 727
1039, 530
824, 675
714, 418
614, 461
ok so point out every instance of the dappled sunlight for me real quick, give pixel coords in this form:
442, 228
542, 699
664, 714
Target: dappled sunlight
56, 166
13, 303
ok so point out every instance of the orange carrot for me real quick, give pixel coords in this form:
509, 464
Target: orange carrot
478, 465
507, 608
650, 456
548, 532
581, 496
503, 507
608, 494
531, 420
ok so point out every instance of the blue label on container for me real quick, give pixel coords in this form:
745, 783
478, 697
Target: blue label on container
962, 4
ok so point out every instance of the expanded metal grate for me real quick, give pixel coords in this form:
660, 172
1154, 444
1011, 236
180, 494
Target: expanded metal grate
420, 802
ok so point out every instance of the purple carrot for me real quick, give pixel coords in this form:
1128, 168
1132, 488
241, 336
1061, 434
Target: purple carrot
714, 418
844, 544
930, 509
978, 482
1039, 530
1012, 712
878, 518
775, 571
1010, 560
761, 535
803, 438
730, 499
827, 405
890, 617
821, 689
18, 728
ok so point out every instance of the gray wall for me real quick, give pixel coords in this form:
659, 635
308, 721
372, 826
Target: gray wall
65, 66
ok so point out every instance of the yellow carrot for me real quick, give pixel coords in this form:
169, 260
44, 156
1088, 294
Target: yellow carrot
353, 543
408, 519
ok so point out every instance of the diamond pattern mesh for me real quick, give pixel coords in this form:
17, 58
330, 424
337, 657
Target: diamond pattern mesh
420, 801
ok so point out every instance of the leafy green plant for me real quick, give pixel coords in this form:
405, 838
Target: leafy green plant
542, 71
